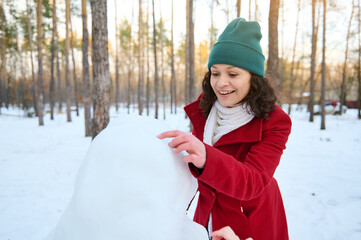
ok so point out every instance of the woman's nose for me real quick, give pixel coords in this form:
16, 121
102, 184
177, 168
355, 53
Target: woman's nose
223, 81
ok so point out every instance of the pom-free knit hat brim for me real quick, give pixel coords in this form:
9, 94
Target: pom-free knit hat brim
238, 55
239, 46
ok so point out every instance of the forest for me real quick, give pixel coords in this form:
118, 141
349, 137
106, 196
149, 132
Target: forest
58, 56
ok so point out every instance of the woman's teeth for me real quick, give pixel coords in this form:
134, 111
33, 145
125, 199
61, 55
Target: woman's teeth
225, 92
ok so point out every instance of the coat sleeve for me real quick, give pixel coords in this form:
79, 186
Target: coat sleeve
247, 180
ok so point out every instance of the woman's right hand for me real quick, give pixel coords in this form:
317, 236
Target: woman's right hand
225, 233
187, 142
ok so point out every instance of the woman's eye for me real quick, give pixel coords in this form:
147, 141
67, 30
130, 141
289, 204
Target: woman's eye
233, 74
215, 74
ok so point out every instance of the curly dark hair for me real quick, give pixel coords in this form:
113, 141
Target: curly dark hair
261, 97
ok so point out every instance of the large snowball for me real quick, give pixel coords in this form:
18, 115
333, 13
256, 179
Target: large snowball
130, 186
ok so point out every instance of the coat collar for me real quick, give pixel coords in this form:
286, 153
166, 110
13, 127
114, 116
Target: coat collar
251, 132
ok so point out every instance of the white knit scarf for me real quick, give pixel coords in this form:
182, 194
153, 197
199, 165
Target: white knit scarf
222, 120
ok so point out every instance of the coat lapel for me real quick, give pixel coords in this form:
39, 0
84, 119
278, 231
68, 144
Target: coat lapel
251, 132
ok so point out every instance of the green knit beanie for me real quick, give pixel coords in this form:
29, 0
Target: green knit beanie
239, 46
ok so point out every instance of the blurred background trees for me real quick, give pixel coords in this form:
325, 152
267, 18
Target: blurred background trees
146, 65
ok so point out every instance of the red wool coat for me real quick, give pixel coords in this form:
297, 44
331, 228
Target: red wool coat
237, 184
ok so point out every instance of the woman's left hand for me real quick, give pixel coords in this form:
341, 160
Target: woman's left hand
187, 142
225, 233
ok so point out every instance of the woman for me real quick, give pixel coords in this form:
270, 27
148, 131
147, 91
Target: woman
239, 135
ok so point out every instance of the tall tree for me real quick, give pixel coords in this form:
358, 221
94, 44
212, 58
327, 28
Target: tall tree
75, 79
3, 55
255, 10
343, 84
101, 76
323, 82
313, 61
148, 65
238, 8
173, 86
212, 30
33, 88
249, 10
226, 11
156, 80
116, 59
359, 61
282, 59
161, 38
140, 61
291, 79
52, 81
130, 65
190, 74
86, 77
67, 65
40, 62
59, 92
272, 62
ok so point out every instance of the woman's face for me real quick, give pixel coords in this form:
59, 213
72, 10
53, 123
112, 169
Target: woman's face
230, 84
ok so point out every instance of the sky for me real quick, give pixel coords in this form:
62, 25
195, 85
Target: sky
337, 21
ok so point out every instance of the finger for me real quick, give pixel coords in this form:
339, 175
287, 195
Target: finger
197, 161
226, 233
182, 138
169, 134
190, 158
186, 146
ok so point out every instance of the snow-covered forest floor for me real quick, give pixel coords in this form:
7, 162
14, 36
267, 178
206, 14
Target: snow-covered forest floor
319, 174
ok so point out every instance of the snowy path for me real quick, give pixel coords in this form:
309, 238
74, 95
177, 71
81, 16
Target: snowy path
319, 175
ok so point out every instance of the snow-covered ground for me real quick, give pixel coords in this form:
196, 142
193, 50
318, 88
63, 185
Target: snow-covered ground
319, 174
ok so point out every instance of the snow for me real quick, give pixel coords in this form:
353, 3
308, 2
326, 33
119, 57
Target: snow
319, 174
131, 184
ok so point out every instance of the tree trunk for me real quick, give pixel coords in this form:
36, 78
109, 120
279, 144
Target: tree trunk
148, 67
272, 62
255, 10
3, 56
313, 61
161, 29
129, 67
52, 81
323, 82
190, 74
40, 64
140, 61
156, 80
100, 65
21, 90
359, 61
249, 10
67, 67
173, 101
86, 77
59, 92
34, 88
116, 60
343, 84
227, 11
290, 97
238, 8
212, 30
75, 80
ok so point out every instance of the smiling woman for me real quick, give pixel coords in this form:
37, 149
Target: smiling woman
239, 135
